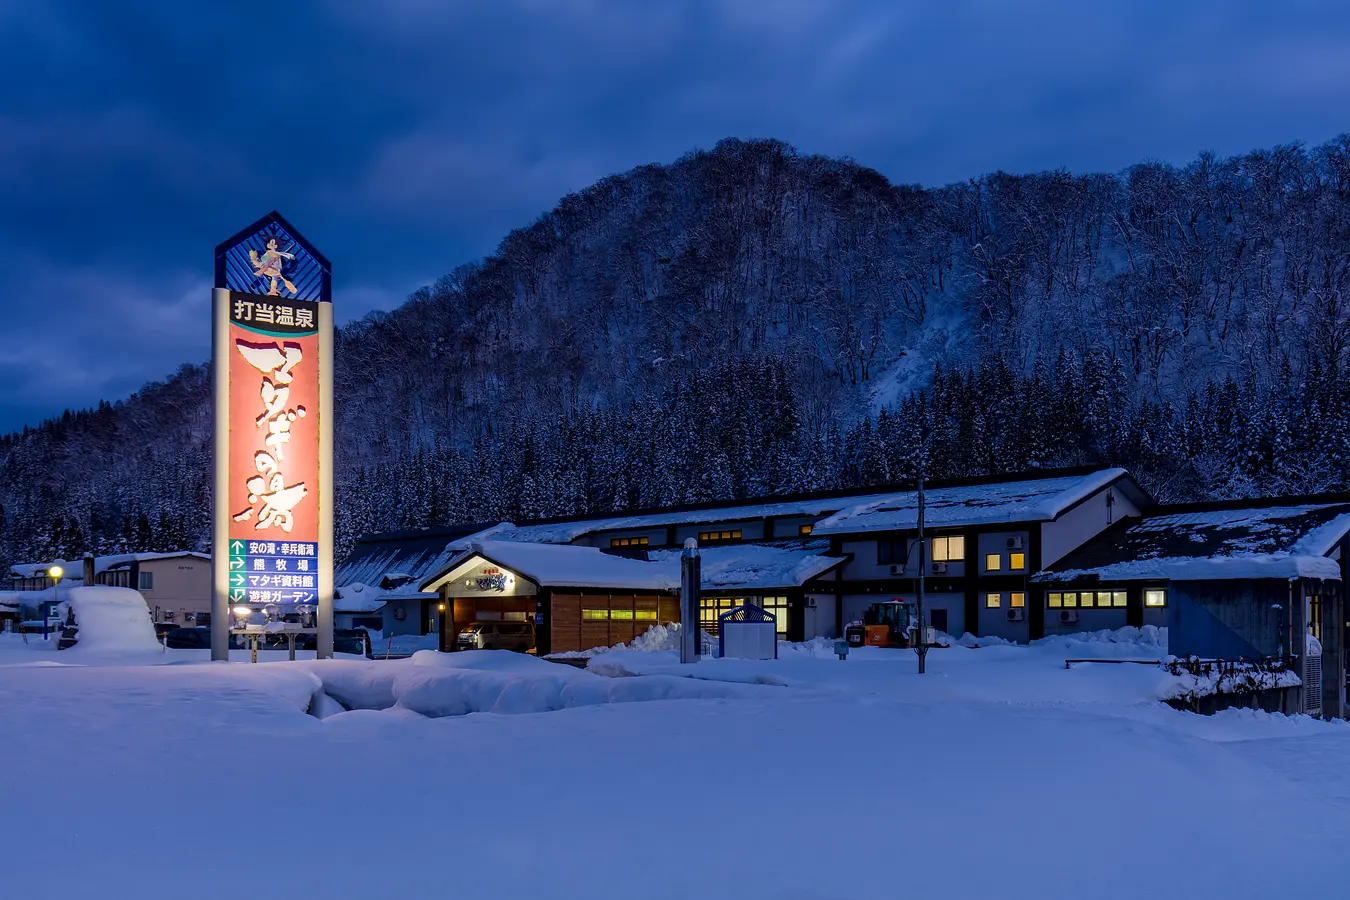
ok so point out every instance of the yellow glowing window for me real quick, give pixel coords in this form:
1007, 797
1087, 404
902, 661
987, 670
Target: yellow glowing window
951, 548
629, 542
1054, 601
993, 601
993, 562
1155, 598
804, 530
1017, 560
1117, 598
621, 614
1071, 600
734, 535
645, 615
1017, 600
595, 614
1103, 599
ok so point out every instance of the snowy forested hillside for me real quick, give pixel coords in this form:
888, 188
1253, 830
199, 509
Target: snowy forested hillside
749, 321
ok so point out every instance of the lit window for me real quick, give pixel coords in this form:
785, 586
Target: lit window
949, 548
595, 614
1103, 599
804, 530
1071, 600
1054, 601
629, 542
1017, 560
1118, 598
714, 536
645, 615
1155, 598
1017, 600
993, 562
993, 601
621, 614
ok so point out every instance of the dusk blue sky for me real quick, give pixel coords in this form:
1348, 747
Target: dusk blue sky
405, 137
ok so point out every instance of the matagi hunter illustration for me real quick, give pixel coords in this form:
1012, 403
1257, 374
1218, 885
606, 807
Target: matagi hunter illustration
271, 265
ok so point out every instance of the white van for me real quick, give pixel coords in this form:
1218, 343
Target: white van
518, 636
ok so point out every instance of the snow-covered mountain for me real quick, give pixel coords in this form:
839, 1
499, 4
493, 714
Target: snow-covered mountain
750, 320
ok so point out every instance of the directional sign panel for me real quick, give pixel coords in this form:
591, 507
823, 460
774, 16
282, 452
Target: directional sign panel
283, 572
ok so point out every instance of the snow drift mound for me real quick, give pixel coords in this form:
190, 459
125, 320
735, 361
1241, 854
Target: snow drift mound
112, 620
498, 681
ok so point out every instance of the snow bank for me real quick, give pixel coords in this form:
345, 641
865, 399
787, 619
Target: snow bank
656, 639
1149, 640
404, 644
112, 620
499, 681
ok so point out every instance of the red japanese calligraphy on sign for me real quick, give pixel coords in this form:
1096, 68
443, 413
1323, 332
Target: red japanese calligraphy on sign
274, 419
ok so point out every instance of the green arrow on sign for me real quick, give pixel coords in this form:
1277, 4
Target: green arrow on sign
237, 595
236, 562
236, 546
237, 580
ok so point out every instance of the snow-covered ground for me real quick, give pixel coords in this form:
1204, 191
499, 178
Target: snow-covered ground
999, 774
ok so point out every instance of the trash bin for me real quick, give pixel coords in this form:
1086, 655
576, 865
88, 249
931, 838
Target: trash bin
855, 634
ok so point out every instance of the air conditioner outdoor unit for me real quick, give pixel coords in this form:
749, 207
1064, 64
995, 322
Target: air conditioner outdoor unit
896, 570
1068, 617
1015, 543
939, 568
810, 602
1016, 615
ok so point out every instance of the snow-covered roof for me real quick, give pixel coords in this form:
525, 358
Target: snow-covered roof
759, 566
1030, 500
74, 569
740, 567
1033, 499
406, 556
1196, 543
567, 565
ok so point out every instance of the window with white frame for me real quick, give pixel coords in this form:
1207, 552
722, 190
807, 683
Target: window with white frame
948, 548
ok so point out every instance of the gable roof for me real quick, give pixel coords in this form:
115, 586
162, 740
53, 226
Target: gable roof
1026, 500
1255, 539
563, 565
414, 553
952, 503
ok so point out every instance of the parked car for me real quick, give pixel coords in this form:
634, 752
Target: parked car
198, 638
518, 636
351, 640
345, 640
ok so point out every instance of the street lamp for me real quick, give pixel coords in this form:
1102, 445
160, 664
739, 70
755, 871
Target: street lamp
54, 573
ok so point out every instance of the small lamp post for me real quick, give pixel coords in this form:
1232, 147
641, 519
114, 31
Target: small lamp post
54, 573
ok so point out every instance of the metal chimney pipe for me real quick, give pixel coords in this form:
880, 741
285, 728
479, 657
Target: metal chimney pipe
690, 576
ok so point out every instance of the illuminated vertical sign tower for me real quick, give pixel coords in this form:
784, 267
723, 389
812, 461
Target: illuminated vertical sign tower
272, 365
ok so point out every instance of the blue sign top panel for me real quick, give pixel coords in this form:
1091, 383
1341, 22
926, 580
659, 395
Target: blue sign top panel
271, 258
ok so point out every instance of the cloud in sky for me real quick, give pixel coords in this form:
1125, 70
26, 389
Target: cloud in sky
406, 137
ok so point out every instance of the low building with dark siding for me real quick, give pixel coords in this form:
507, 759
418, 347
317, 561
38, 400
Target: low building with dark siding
1233, 580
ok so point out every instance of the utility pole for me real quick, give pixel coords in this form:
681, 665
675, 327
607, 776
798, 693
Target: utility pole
921, 646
